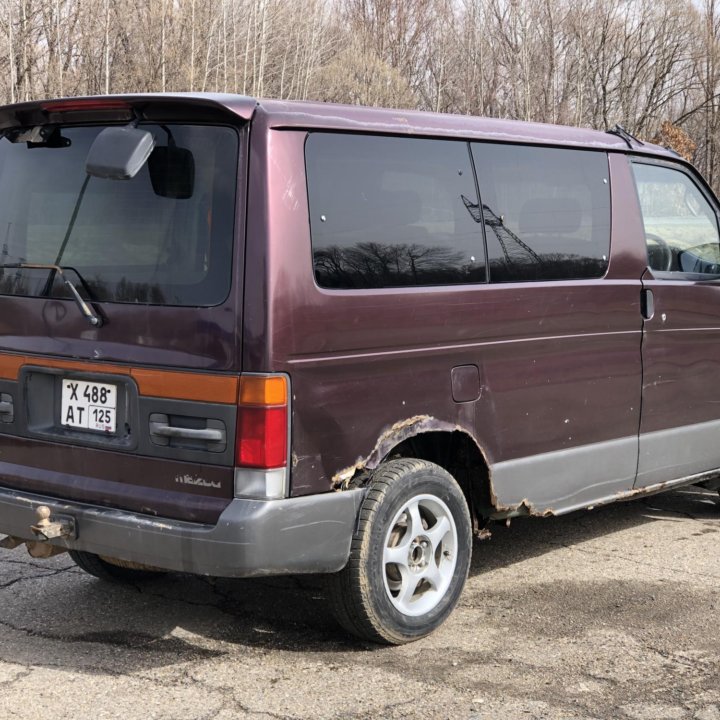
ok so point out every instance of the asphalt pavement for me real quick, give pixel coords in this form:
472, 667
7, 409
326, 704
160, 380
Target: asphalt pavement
603, 614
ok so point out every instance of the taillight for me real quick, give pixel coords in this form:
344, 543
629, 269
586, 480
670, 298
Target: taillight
261, 437
261, 447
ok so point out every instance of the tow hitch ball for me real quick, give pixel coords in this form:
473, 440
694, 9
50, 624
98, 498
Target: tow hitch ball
46, 527
49, 527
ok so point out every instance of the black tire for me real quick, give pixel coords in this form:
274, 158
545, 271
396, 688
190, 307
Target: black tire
99, 568
363, 595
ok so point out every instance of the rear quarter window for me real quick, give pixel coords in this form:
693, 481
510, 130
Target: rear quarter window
546, 211
392, 212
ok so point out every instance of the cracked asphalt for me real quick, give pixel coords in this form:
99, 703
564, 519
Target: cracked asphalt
606, 614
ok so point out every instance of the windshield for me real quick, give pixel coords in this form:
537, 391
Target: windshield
132, 240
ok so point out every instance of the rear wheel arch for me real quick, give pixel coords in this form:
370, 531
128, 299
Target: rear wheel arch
457, 452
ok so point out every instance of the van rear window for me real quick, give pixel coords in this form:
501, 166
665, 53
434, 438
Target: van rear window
392, 212
153, 239
546, 211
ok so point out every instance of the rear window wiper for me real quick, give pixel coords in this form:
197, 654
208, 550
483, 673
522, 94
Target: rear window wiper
85, 308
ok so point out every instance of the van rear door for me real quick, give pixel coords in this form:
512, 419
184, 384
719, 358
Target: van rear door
130, 401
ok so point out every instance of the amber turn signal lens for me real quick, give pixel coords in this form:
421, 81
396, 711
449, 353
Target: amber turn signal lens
262, 390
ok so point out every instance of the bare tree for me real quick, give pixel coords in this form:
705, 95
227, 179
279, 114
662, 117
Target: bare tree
649, 64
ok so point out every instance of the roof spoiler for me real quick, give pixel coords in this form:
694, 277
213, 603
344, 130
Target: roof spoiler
124, 108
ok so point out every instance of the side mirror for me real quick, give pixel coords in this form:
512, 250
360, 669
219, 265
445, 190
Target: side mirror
172, 172
118, 153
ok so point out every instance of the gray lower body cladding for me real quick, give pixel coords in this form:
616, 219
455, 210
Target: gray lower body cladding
309, 534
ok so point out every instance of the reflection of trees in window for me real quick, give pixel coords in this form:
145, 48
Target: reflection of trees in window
520, 262
374, 265
556, 266
13, 283
26, 282
127, 291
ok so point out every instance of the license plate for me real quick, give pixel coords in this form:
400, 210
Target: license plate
88, 405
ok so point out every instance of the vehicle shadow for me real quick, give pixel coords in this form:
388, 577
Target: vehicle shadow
177, 618
527, 537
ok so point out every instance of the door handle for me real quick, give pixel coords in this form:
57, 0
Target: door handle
211, 438
7, 410
647, 303
162, 429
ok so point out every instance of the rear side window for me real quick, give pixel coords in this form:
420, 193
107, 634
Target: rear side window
392, 212
546, 211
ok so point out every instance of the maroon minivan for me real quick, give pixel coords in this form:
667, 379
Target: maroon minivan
250, 338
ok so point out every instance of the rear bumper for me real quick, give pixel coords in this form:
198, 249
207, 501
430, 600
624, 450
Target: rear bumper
309, 534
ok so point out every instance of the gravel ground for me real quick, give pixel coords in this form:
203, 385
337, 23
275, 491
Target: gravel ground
607, 614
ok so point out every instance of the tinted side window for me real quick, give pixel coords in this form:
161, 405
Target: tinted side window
546, 211
390, 212
681, 230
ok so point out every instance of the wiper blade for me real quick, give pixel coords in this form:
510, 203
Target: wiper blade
85, 308
621, 132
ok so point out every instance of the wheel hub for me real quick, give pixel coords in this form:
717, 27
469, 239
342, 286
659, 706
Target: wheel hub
419, 554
